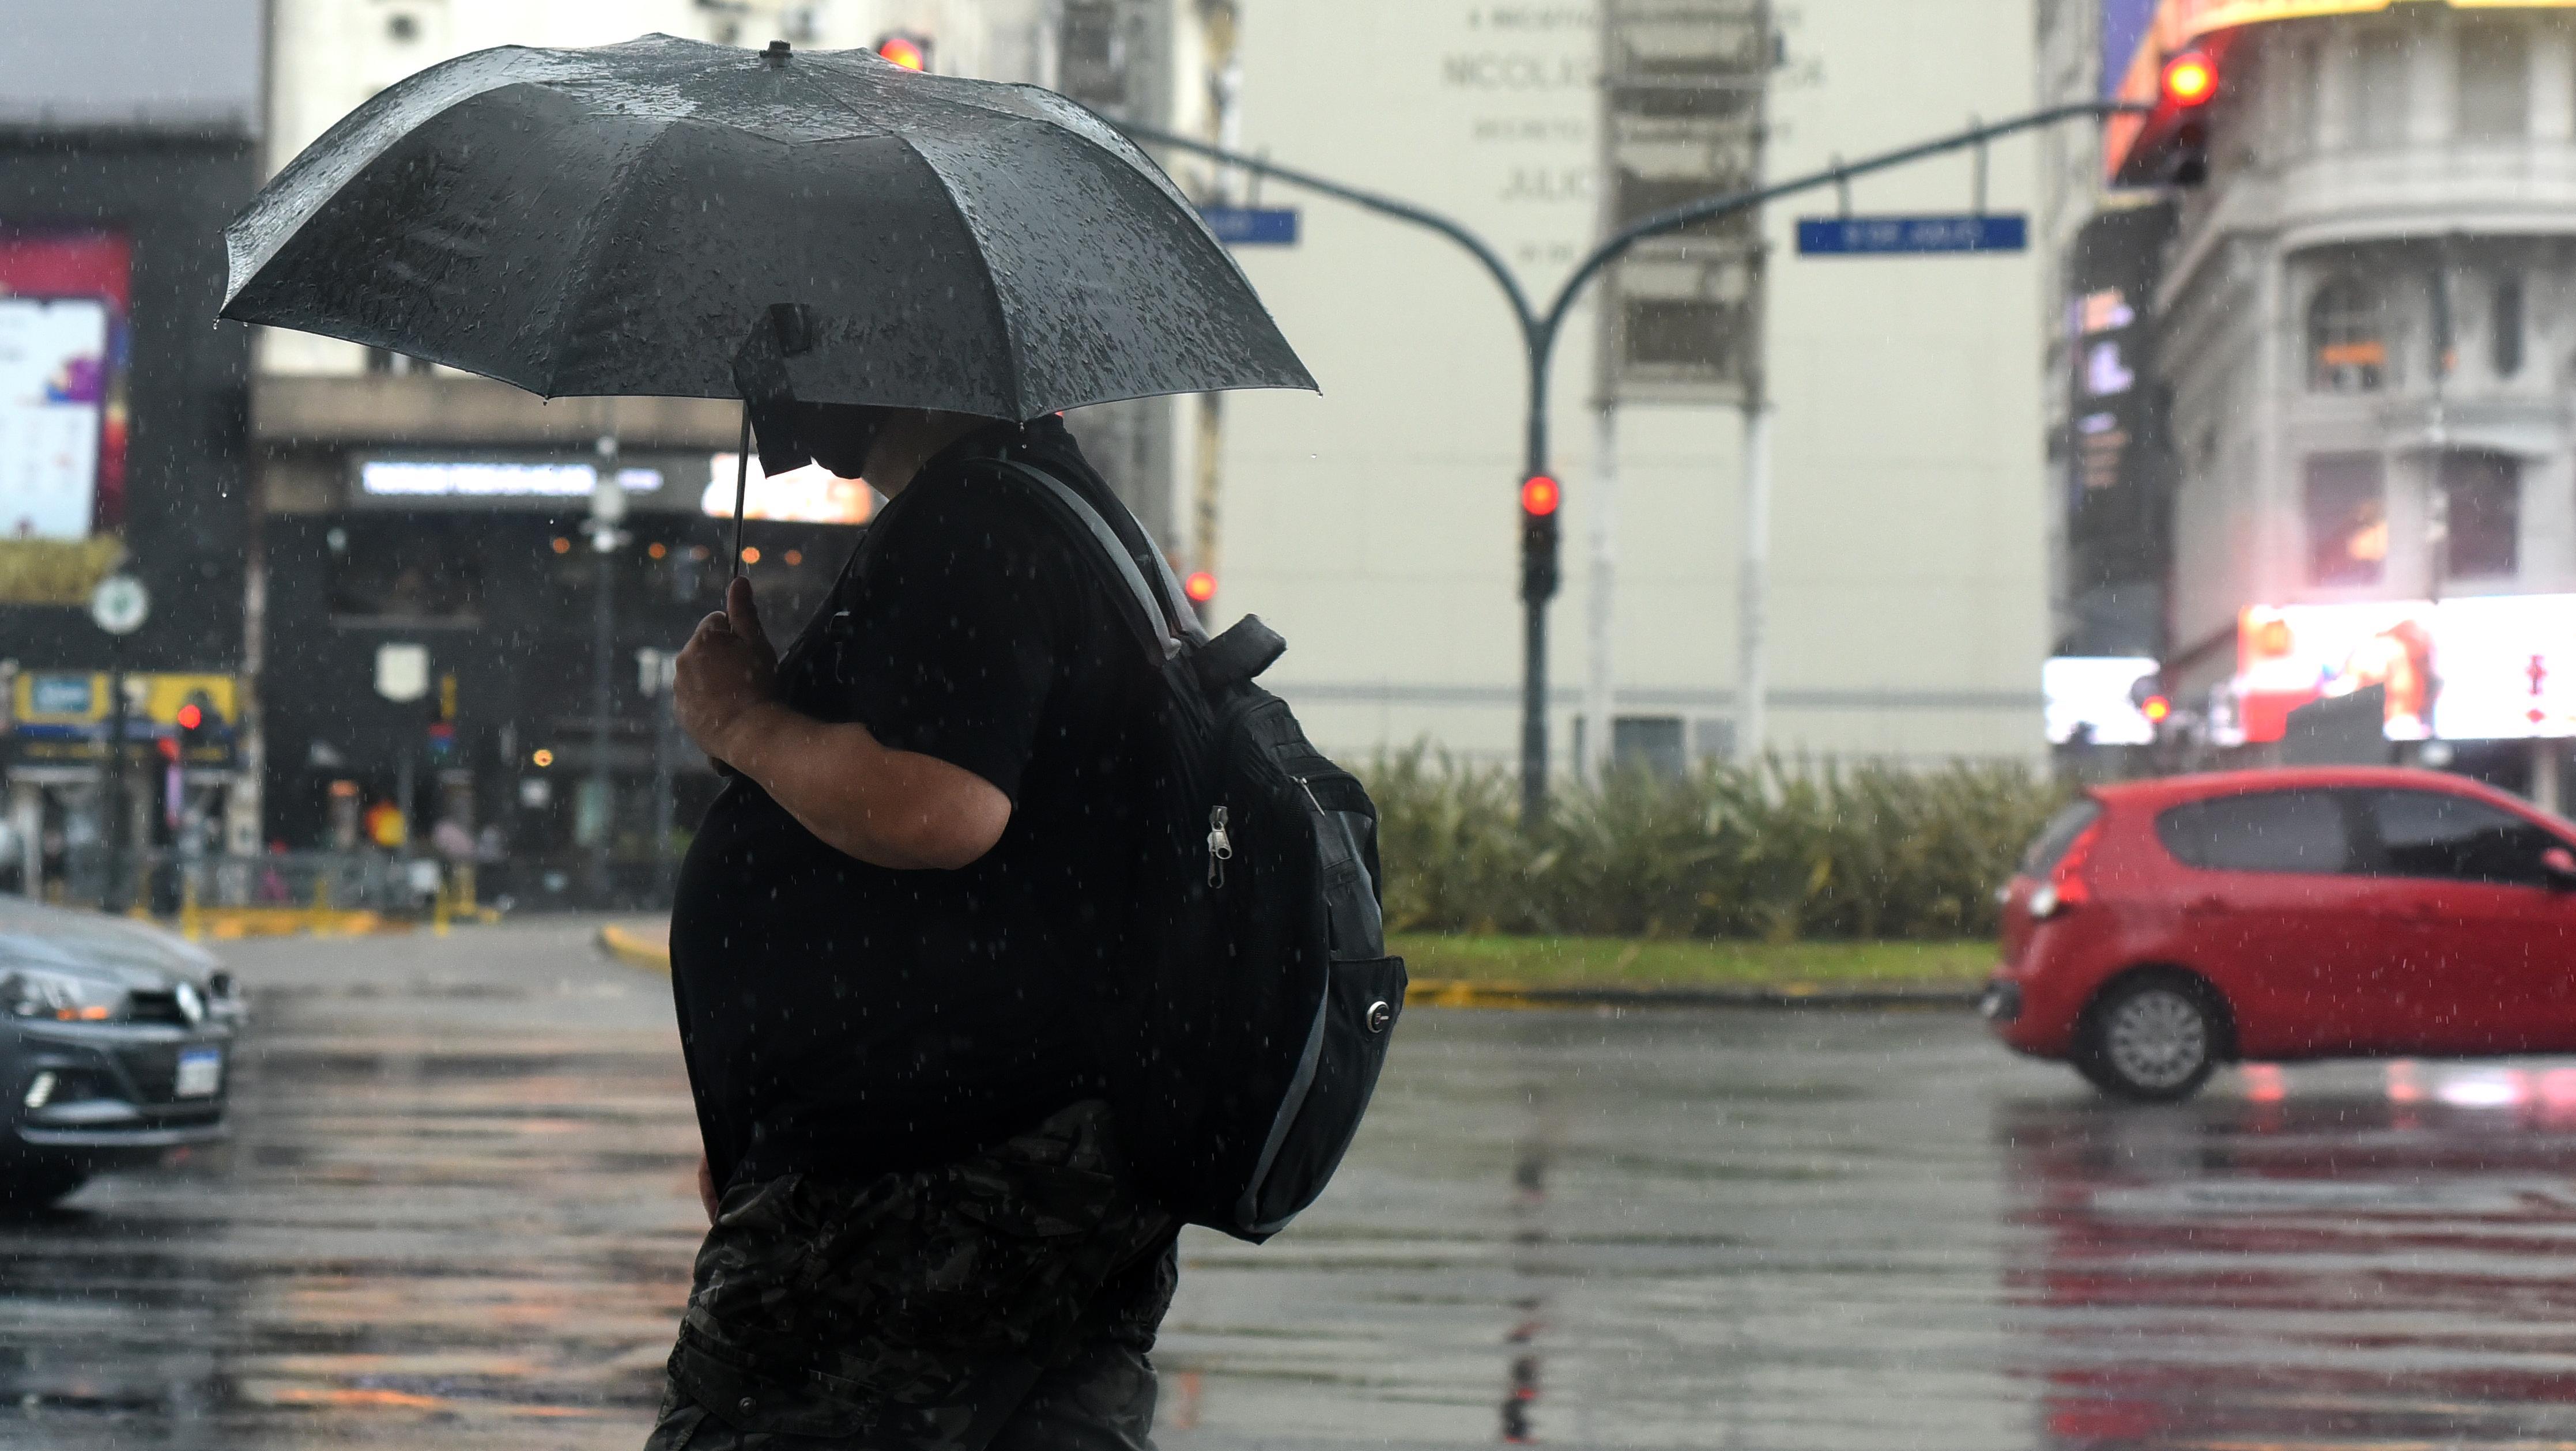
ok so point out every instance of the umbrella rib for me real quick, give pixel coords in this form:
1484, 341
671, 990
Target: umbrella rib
582, 256
984, 261
992, 286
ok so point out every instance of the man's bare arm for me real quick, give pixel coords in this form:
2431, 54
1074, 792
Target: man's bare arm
886, 807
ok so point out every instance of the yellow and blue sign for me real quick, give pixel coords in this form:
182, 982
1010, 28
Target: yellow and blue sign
62, 715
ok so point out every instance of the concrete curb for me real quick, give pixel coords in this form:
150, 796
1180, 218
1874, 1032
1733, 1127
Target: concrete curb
641, 947
1465, 993
636, 948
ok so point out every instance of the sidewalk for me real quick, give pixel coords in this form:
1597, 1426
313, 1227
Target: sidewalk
644, 942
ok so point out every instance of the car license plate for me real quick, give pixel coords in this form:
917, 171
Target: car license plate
201, 1072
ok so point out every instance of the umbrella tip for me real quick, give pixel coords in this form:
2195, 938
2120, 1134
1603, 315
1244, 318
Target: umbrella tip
776, 54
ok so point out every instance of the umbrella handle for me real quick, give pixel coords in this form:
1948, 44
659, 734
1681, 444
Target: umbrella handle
741, 482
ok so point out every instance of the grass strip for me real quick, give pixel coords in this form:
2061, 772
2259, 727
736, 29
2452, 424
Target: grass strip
1613, 962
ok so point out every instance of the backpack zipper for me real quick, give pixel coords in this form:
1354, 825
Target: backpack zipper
1310, 794
1220, 847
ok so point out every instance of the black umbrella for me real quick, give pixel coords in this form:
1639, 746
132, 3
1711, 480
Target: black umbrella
651, 218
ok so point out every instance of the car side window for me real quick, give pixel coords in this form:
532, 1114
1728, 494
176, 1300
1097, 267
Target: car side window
2453, 838
2262, 831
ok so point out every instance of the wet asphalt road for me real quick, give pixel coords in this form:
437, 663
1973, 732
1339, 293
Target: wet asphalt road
457, 1214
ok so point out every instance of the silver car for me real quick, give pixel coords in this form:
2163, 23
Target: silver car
115, 1046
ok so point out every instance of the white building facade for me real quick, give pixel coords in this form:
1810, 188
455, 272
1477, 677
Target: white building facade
1376, 526
2368, 326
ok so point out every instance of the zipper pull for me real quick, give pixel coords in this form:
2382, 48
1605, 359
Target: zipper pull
1310, 794
1220, 847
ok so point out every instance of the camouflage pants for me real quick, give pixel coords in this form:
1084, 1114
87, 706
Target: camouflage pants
1001, 1303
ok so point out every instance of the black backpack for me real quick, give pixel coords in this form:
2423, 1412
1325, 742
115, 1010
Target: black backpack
1241, 1054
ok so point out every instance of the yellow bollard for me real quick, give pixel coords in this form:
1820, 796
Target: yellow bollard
438, 910
192, 922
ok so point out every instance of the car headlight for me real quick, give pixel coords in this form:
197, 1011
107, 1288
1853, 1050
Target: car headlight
61, 997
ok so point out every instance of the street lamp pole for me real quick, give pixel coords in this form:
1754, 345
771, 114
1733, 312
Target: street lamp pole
607, 510
1540, 329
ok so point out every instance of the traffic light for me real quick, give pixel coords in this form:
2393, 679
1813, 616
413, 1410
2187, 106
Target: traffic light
1200, 587
1539, 499
2148, 695
197, 720
2190, 79
903, 48
2183, 93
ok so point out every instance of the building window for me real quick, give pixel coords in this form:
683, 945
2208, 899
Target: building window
1649, 742
2379, 91
2347, 512
2494, 83
385, 361
2504, 326
2482, 497
406, 570
2298, 115
2347, 338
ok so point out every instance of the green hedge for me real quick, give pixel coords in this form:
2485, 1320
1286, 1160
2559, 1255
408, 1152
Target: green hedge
1776, 853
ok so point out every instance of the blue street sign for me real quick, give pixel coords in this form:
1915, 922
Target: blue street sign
1864, 236
1252, 226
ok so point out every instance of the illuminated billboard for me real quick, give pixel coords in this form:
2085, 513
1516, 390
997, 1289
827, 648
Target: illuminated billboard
2490, 667
477, 479
808, 495
62, 383
2096, 699
63, 409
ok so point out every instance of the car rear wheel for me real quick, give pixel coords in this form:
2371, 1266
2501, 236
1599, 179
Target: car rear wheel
2151, 1039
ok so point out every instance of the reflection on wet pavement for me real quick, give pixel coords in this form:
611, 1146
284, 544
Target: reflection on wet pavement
456, 1212
458, 1215
2365, 1263
1843, 1231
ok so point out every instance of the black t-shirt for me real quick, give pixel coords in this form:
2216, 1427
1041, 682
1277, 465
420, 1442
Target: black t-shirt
842, 1019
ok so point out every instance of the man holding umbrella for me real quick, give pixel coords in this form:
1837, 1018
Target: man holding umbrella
885, 947
894, 924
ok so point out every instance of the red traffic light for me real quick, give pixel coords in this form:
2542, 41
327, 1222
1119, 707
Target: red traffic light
2190, 79
1200, 587
2155, 708
1540, 496
905, 51
190, 716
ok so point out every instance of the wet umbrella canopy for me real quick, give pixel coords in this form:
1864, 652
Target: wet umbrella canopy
619, 220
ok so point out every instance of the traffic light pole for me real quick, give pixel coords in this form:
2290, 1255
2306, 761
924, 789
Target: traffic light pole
1540, 330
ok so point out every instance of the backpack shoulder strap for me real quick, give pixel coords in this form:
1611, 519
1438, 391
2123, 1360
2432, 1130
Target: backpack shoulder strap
1155, 615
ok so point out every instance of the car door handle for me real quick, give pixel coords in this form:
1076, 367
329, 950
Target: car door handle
2203, 907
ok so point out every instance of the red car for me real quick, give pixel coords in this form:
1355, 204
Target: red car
2158, 928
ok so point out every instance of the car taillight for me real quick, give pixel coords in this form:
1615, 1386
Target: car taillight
2066, 886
